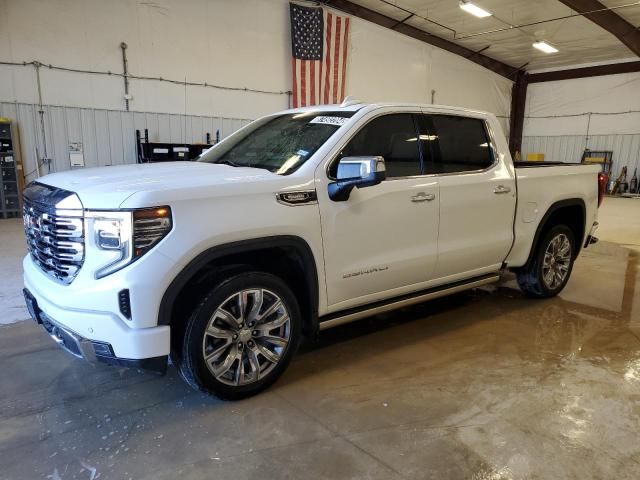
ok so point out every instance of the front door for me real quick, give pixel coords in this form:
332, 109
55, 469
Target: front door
382, 241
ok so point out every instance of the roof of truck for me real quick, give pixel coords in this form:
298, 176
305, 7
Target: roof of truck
354, 106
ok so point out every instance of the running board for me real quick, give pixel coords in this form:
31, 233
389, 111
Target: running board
357, 313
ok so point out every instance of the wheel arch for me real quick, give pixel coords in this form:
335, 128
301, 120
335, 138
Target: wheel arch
290, 257
571, 212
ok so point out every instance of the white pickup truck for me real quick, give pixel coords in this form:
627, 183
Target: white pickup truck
300, 221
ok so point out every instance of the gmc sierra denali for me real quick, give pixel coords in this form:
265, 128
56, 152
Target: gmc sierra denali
300, 221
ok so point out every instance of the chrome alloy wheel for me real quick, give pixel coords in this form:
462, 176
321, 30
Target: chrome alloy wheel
246, 336
556, 262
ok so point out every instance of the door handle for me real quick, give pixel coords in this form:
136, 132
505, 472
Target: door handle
423, 197
501, 189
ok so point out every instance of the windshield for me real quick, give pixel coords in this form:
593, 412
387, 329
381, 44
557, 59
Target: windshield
282, 144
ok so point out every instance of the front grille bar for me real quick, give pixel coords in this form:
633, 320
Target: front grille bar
55, 236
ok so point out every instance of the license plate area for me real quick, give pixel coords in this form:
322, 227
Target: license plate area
65, 339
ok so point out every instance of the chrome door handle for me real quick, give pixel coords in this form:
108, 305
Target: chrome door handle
501, 189
423, 197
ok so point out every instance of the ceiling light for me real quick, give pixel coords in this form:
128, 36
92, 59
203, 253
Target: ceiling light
474, 10
545, 47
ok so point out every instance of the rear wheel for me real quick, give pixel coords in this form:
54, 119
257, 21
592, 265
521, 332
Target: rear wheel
241, 337
551, 267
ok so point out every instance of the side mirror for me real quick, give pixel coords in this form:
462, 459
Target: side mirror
358, 172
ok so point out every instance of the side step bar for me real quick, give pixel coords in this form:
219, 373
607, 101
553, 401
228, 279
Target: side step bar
357, 313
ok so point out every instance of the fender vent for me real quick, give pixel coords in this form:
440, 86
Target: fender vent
125, 303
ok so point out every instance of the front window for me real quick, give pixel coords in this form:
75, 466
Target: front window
393, 137
280, 144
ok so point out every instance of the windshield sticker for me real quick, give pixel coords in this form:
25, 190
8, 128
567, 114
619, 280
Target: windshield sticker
302, 153
330, 120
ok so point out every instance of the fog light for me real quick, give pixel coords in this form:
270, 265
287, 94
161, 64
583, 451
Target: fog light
102, 349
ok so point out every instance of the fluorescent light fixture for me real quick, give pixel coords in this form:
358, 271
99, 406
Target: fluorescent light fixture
545, 47
474, 10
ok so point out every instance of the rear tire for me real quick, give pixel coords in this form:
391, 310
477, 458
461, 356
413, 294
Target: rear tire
552, 264
241, 337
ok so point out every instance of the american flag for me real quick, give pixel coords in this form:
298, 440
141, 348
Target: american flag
319, 42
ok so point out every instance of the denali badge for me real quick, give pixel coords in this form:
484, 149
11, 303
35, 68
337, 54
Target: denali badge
297, 198
366, 271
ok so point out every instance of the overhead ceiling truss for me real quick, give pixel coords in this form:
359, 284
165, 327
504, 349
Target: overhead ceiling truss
609, 20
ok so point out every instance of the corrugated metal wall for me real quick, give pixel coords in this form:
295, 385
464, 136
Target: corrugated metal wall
107, 136
569, 148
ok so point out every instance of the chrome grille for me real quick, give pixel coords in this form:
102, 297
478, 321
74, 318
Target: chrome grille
55, 236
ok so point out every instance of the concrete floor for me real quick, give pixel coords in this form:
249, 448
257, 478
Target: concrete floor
483, 385
620, 221
12, 249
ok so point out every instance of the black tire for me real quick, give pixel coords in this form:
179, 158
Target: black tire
531, 278
191, 359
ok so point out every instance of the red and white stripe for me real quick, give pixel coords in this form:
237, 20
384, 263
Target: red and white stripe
323, 81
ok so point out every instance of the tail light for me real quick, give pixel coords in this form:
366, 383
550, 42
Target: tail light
603, 178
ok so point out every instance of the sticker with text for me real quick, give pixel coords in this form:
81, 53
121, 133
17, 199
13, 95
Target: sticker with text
330, 120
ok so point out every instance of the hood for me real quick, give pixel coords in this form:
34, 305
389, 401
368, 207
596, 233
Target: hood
109, 187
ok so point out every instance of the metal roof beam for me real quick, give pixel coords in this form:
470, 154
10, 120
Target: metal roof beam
584, 72
613, 23
372, 16
516, 118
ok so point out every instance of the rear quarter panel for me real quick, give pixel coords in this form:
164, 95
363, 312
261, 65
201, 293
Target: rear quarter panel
538, 189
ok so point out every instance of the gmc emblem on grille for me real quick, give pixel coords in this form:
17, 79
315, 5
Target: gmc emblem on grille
31, 220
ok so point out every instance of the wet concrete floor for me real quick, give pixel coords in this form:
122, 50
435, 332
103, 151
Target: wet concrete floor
483, 385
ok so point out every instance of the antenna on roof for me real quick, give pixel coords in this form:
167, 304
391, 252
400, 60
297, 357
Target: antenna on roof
348, 101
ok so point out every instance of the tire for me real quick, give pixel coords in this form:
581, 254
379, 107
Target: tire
245, 355
536, 280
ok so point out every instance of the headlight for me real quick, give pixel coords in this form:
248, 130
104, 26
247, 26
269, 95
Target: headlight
125, 236
109, 235
150, 225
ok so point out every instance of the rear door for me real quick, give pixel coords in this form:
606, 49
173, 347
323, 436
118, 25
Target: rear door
382, 241
477, 195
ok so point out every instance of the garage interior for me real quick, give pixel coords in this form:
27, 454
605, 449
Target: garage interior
485, 384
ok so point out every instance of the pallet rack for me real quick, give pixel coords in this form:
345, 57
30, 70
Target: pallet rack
10, 173
170, 152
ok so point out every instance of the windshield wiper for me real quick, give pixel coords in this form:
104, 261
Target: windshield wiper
230, 163
257, 165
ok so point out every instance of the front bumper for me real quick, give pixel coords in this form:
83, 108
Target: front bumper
91, 309
101, 350
89, 350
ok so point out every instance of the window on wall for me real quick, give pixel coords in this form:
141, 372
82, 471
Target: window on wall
393, 137
454, 144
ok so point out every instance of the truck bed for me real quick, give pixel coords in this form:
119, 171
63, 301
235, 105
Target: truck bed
530, 164
540, 185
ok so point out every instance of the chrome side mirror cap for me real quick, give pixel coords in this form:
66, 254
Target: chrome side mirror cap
360, 172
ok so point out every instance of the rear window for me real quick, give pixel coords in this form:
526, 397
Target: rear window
455, 144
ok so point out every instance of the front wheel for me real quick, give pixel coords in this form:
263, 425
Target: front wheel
551, 267
241, 337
